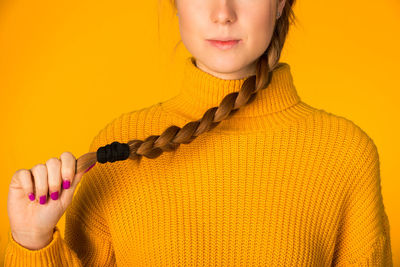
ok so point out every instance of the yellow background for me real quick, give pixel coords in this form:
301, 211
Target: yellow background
69, 67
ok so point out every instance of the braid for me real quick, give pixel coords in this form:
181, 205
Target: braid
154, 145
173, 136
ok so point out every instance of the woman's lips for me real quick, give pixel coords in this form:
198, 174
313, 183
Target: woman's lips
224, 45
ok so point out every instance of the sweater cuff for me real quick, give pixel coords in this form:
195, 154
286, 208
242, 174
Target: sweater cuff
45, 256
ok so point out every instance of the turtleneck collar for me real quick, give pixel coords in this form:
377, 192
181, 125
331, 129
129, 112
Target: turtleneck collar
200, 91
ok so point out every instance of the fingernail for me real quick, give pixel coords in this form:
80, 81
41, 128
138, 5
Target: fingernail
42, 200
31, 196
66, 184
54, 195
90, 167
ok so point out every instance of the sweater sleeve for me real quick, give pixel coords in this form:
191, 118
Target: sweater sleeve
364, 233
87, 240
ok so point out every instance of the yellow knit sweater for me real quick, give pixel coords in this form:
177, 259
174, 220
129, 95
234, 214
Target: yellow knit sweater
280, 183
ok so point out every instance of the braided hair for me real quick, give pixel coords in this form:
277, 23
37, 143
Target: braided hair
154, 145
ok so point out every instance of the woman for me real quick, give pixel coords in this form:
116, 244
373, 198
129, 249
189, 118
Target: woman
263, 179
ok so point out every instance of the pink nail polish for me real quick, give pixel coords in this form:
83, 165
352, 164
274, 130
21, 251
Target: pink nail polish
31, 196
90, 167
66, 184
54, 195
42, 200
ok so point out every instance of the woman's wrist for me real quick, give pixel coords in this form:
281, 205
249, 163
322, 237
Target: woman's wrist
33, 242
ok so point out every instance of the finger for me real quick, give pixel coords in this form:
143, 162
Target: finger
67, 195
23, 179
39, 172
68, 165
54, 177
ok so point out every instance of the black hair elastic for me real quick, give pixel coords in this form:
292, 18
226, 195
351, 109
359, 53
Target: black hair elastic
113, 152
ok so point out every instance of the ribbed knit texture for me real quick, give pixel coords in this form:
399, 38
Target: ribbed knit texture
280, 183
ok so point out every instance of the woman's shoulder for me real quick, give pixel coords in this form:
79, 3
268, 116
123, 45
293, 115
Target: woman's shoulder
346, 131
125, 127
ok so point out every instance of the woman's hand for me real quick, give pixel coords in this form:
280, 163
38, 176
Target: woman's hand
33, 217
